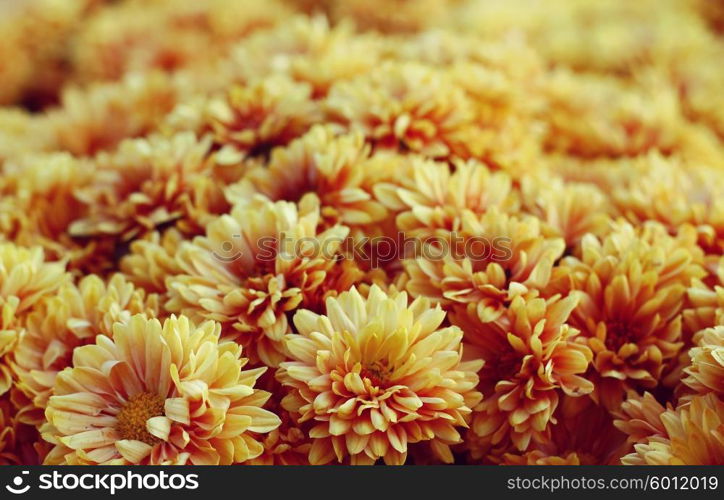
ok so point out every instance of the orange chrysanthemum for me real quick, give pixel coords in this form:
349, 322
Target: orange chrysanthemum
185, 400
100, 117
405, 106
570, 209
252, 119
531, 356
431, 198
705, 306
337, 168
374, 375
633, 284
25, 278
69, 319
257, 265
151, 182
584, 432
691, 436
706, 372
494, 257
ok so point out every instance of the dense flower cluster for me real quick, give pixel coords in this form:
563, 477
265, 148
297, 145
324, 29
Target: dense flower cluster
361, 231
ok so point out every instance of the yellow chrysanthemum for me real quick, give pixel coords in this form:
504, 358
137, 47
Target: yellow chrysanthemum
531, 357
25, 278
430, 198
692, 436
253, 119
639, 418
592, 116
153, 259
376, 374
337, 168
705, 306
22, 131
150, 182
39, 204
391, 16
310, 50
706, 373
257, 265
493, 257
675, 193
157, 394
72, 317
570, 209
405, 106
100, 117
633, 283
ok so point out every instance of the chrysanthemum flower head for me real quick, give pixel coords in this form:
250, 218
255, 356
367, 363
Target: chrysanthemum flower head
99, 117
254, 118
157, 394
633, 284
392, 17
570, 209
639, 417
309, 49
692, 436
593, 115
152, 259
150, 182
431, 197
69, 319
255, 266
128, 37
493, 257
674, 192
376, 374
409, 106
249, 119
39, 205
531, 358
22, 131
706, 372
25, 278
705, 307
336, 167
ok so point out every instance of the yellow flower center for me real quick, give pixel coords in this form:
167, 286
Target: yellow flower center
620, 332
377, 372
134, 414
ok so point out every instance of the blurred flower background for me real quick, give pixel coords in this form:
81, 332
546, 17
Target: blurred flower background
147, 147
